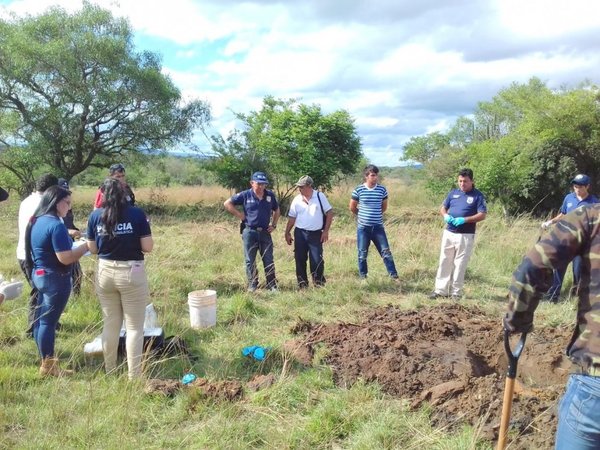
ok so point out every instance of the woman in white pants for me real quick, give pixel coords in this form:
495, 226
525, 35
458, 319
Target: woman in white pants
120, 235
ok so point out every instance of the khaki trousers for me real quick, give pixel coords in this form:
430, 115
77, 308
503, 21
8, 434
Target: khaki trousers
454, 257
122, 288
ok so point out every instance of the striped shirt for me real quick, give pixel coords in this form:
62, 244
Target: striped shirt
370, 204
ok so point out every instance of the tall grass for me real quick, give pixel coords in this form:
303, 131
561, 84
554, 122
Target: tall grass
201, 248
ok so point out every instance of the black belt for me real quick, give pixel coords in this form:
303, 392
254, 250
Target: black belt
257, 228
310, 231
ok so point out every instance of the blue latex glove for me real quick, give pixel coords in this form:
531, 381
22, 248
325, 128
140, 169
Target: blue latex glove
458, 221
256, 351
188, 378
247, 351
448, 218
259, 353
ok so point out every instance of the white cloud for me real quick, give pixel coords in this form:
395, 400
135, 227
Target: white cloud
400, 67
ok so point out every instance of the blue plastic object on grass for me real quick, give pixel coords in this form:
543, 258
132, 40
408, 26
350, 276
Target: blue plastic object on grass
259, 353
256, 351
247, 351
188, 378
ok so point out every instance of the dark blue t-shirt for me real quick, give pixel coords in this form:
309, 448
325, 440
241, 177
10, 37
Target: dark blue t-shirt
125, 244
48, 237
571, 202
257, 212
464, 204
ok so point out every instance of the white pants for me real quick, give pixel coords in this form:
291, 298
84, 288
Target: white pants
122, 287
454, 257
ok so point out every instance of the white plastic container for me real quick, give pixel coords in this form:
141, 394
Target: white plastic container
203, 308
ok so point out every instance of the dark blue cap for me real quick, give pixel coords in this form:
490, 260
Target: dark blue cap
581, 180
260, 177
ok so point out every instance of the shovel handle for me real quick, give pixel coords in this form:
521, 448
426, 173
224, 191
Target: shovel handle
509, 386
513, 356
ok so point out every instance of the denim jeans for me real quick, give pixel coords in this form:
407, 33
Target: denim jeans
559, 274
33, 297
54, 289
375, 233
261, 242
579, 414
308, 245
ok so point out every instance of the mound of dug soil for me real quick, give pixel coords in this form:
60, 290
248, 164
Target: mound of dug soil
453, 358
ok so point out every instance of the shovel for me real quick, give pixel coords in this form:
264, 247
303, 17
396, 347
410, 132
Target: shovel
509, 386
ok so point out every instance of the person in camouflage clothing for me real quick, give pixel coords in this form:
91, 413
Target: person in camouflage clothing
575, 234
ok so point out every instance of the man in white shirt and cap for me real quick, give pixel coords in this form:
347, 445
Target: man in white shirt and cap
311, 215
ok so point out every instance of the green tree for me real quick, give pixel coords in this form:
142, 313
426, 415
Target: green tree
287, 139
425, 148
524, 146
79, 95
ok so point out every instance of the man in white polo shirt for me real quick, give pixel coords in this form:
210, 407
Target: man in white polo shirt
311, 214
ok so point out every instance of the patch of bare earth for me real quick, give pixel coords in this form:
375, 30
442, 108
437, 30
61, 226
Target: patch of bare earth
453, 358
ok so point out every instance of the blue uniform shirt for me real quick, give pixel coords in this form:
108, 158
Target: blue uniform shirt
257, 212
464, 204
571, 202
48, 237
125, 245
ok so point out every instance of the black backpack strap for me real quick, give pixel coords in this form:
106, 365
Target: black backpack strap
322, 210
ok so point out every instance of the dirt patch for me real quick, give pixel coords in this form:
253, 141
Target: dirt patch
168, 388
219, 390
259, 382
453, 358
229, 390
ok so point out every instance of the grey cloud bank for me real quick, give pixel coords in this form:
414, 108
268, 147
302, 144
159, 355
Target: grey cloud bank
401, 68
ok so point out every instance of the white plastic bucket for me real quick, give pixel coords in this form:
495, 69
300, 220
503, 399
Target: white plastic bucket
203, 308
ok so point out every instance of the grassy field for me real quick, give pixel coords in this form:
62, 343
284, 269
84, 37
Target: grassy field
197, 246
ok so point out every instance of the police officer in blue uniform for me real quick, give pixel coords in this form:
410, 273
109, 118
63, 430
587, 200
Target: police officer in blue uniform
462, 209
259, 216
579, 197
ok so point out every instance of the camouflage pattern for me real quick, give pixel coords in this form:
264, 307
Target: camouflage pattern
577, 233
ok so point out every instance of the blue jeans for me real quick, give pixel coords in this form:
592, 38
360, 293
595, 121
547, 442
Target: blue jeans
261, 242
579, 414
557, 279
307, 245
54, 289
375, 233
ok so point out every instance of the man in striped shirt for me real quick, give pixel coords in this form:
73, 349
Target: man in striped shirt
368, 203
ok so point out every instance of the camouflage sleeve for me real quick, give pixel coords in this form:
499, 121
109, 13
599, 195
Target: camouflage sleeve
555, 249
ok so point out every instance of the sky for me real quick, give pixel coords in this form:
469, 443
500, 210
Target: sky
400, 68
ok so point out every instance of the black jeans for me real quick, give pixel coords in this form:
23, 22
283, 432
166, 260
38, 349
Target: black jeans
308, 245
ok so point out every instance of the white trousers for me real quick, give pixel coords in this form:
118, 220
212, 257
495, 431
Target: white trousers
454, 257
122, 287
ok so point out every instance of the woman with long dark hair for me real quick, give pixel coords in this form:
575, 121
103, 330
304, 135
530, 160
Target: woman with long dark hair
120, 234
49, 255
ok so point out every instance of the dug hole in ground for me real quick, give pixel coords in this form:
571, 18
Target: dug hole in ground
453, 358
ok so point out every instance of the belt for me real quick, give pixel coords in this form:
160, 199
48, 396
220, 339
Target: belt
118, 263
310, 231
257, 228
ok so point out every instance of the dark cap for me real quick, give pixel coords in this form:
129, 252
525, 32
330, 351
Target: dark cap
3, 195
581, 180
260, 177
63, 183
305, 181
116, 168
